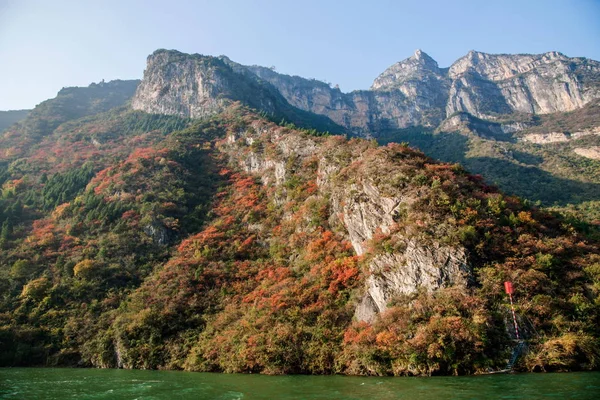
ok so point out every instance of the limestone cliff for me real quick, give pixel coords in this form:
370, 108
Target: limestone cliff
413, 92
409, 93
196, 86
416, 91
488, 84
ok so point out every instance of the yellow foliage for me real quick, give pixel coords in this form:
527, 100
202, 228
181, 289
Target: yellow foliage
85, 269
60, 210
564, 353
36, 289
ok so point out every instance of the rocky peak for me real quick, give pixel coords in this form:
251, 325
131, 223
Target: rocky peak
412, 92
197, 86
425, 59
181, 84
497, 67
420, 65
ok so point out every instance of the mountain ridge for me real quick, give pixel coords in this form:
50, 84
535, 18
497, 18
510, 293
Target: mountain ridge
415, 91
509, 96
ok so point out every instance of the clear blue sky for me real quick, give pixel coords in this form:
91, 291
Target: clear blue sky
48, 44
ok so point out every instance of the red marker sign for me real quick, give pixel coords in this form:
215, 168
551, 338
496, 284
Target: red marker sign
509, 291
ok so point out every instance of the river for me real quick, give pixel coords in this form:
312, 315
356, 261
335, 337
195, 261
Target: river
58, 383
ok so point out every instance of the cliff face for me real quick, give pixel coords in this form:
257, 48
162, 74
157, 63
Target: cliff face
493, 103
413, 92
486, 84
194, 86
197, 86
409, 93
417, 92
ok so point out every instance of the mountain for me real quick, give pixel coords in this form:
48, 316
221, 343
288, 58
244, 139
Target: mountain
198, 86
484, 111
186, 229
495, 114
7, 118
417, 92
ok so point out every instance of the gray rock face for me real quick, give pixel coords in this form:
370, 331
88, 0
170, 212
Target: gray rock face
467, 124
413, 92
416, 68
158, 233
409, 93
365, 210
183, 86
196, 86
420, 266
487, 84
417, 92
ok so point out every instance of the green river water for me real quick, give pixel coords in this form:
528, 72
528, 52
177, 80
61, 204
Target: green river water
56, 383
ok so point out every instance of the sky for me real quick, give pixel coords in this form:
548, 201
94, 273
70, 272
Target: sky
49, 44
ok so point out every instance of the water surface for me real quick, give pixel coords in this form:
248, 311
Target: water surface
56, 383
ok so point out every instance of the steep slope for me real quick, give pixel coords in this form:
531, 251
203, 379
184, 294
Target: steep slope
486, 84
240, 245
527, 123
544, 161
401, 99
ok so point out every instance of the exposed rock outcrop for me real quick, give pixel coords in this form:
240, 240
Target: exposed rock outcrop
416, 91
590, 152
543, 138
489, 84
194, 86
413, 92
558, 137
364, 208
427, 267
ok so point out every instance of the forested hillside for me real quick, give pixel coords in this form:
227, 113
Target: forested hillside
236, 244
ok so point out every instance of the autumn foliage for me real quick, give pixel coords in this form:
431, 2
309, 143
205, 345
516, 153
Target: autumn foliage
220, 246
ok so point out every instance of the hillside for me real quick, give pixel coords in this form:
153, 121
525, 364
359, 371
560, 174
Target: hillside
70, 104
235, 244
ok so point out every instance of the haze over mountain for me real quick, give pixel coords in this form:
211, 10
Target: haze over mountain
201, 219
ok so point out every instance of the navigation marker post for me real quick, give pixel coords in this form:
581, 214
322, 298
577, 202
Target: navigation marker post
509, 290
